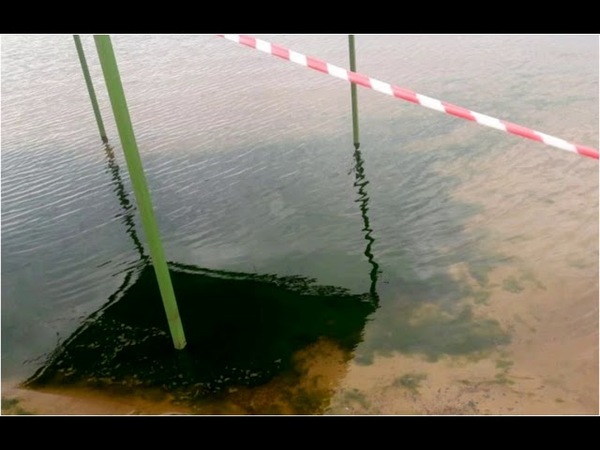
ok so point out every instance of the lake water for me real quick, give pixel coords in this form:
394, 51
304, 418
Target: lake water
444, 268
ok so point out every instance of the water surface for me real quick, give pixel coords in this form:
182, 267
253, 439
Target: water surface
477, 251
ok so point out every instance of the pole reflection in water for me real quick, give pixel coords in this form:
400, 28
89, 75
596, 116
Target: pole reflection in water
363, 201
128, 207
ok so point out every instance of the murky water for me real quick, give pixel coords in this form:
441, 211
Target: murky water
445, 268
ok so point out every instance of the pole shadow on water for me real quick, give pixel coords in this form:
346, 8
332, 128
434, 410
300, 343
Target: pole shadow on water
256, 343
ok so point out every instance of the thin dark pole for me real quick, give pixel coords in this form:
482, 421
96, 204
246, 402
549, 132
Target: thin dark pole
90, 87
354, 93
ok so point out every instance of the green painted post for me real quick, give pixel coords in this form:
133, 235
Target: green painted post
353, 91
90, 87
138, 180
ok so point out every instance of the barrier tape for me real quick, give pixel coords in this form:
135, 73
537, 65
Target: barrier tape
408, 95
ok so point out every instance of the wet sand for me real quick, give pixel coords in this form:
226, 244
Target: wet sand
537, 373
319, 368
80, 401
546, 298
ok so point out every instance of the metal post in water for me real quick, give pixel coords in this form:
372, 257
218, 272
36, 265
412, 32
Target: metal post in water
90, 87
140, 188
353, 91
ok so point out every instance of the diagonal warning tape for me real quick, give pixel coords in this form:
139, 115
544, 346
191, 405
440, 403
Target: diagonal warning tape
408, 95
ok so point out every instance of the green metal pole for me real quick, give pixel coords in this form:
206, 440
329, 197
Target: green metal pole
138, 180
90, 87
353, 91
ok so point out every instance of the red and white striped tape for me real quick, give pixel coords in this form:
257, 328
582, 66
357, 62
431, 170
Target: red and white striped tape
405, 94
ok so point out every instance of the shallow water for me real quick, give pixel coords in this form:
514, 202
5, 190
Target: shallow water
478, 249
